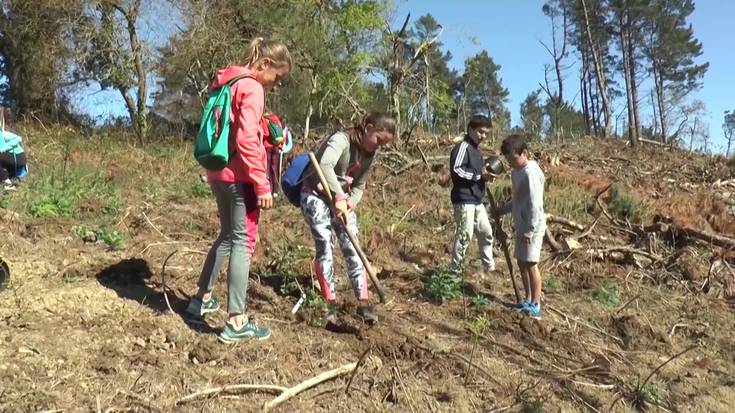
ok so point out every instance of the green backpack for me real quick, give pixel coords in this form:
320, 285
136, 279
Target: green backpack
211, 148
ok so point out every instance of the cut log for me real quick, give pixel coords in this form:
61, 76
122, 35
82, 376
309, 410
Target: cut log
666, 224
709, 237
650, 142
554, 219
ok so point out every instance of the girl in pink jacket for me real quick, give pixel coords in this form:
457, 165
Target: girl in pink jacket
242, 188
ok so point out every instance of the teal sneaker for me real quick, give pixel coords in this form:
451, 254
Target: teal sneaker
249, 330
198, 308
534, 311
521, 306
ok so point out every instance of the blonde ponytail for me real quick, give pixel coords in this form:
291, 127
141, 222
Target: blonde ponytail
261, 48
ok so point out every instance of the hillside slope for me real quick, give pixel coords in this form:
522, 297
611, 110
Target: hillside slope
635, 316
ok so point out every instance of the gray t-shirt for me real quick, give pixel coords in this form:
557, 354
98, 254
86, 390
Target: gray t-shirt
527, 204
345, 166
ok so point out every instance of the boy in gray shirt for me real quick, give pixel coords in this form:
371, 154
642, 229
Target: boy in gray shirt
529, 220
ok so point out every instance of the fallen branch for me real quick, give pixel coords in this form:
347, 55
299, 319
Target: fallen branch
141, 401
712, 238
585, 323
307, 384
230, 388
666, 224
357, 367
625, 249
660, 366
555, 219
650, 142
553, 243
154, 227
163, 281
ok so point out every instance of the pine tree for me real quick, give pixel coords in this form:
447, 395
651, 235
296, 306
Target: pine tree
672, 50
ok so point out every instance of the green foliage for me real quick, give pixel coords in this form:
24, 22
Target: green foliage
567, 198
282, 263
532, 114
109, 236
152, 192
441, 283
481, 302
551, 283
626, 206
199, 189
484, 91
477, 325
4, 200
83, 189
533, 407
652, 393
728, 129
608, 293
564, 121
316, 306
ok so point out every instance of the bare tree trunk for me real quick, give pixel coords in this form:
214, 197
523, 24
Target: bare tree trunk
692, 132
655, 115
600, 70
633, 84
594, 104
427, 92
137, 110
310, 108
624, 41
585, 96
659, 83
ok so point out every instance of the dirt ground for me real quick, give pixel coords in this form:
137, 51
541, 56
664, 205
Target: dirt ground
86, 328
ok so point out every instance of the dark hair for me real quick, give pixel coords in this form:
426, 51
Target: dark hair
513, 145
479, 121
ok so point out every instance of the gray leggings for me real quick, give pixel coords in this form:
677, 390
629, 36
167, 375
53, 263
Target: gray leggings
238, 217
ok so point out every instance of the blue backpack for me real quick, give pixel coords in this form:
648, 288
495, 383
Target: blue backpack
293, 179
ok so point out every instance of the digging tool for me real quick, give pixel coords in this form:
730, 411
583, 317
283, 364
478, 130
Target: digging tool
503, 241
350, 235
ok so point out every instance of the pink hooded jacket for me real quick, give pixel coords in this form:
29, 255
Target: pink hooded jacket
248, 165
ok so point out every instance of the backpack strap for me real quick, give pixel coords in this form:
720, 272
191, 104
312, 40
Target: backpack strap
235, 79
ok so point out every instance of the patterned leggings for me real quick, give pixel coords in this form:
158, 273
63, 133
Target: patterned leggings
320, 220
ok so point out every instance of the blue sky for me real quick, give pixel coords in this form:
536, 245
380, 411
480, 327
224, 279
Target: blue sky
510, 31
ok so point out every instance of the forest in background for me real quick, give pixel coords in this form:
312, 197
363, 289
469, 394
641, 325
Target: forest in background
641, 56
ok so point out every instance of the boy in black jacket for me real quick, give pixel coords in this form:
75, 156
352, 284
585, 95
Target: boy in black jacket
468, 190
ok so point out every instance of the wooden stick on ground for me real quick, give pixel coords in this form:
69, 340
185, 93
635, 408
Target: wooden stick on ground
163, 281
307, 384
233, 387
353, 239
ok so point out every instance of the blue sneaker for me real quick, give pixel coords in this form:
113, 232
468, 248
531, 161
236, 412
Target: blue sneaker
249, 330
533, 310
198, 308
521, 306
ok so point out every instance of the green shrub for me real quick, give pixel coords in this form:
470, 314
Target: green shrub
652, 393
481, 302
533, 407
199, 189
608, 293
626, 206
111, 237
440, 283
551, 284
55, 192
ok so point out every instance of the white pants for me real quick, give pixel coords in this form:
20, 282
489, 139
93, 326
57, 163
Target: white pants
472, 219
